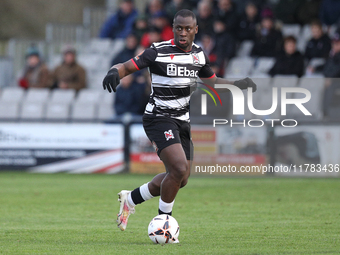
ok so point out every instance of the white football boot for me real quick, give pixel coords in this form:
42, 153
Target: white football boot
125, 209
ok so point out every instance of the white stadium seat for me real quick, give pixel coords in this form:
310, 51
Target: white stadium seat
57, 111
93, 96
66, 96
9, 110
32, 111
105, 112
84, 112
263, 65
12, 94
293, 30
240, 66
37, 95
245, 49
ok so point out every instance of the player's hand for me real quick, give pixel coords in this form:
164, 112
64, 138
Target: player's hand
111, 80
245, 83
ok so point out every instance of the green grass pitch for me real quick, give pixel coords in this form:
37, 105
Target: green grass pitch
75, 214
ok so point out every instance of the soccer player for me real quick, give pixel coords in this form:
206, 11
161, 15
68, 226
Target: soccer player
175, 66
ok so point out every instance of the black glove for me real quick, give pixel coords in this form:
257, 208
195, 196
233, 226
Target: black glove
245, 83
111, 80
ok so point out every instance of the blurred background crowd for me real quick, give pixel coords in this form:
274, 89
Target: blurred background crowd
264, 39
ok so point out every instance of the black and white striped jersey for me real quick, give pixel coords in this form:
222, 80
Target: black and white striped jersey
174, 75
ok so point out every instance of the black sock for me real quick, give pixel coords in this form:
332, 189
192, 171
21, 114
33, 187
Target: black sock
136, 196
161, 212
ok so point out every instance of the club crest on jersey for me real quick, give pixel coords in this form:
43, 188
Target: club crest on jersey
169, 135
195, 58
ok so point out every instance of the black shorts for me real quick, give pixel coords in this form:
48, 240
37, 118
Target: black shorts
164, 131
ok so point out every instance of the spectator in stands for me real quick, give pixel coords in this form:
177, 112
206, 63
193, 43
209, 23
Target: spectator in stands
153, 7
121, 23
308, 11
128, 52
205, 18
242, 4
69, 75
332, 70
209, 47
225, 44
247, 23
268, 41
330, 12
227, 14
140, 26
36, 73
291, 62
130, 97
174, 6
154, 34
319, 45
161, 21
286, 10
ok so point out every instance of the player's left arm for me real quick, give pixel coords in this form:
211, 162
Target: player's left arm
208, 77
242, 84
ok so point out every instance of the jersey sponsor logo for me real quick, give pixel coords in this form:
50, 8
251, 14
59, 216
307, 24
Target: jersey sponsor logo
195, 58
182, 71
169, 135
172, 56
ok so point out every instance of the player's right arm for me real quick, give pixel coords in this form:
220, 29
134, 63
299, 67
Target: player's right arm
119, 71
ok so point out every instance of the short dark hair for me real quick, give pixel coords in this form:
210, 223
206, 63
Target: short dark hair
185, 13
290, 38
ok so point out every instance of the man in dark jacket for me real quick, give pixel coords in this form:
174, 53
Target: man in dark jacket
120, 24
128, 52
226, 13
205, 19
319, 45
268, 42
247, 23
130, 97
291, 62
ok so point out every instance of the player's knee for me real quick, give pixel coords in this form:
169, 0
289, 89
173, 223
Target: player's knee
179, 171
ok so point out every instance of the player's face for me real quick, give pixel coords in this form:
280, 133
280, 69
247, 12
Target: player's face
184, 29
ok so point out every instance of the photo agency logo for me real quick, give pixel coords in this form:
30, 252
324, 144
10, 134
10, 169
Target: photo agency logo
238, 105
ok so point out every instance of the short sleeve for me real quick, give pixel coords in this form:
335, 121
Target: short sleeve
145, 59
206, 72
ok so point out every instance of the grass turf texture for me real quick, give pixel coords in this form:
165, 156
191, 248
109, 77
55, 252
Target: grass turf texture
75, 214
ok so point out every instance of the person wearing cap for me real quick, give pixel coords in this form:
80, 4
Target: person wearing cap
69, 75
120, 25
36, 73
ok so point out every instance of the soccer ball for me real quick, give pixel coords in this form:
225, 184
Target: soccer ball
163, 229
